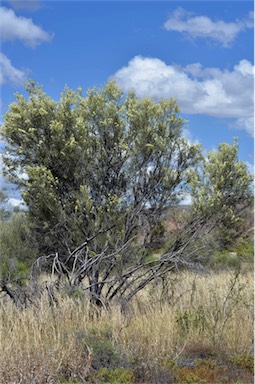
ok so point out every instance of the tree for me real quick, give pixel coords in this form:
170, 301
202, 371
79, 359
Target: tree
221, 187
100, 168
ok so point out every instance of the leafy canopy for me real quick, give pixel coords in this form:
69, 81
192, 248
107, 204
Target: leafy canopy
95, 162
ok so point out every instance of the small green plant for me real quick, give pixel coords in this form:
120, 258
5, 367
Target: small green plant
105, 354
168, 363
187, 376
243, 361
114, 376
205, 363
204, 371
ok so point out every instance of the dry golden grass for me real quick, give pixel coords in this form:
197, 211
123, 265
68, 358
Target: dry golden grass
195, 315
215, 310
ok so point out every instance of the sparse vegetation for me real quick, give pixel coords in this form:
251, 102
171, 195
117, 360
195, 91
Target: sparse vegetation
201, 333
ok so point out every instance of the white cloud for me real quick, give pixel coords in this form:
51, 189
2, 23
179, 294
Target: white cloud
16, 202
17, 27
186, 133
198, 90
8, 73
202, 26
244, 123
245, 68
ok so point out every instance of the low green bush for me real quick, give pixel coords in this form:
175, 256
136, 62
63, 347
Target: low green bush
16, 239
13, 270
114, 376
244, 361
224, 260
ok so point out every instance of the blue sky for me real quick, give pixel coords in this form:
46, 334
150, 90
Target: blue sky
200, 52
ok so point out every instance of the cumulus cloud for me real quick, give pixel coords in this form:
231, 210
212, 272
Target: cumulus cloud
8, 73
202, 26
17, 27
245, 123
198, 90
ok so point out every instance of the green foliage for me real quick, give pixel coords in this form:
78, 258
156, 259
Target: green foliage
16, 240
114, 376
18, 249
225, 259
244, 249
221, 186
105, 353
94, 162
13, 270
199, 371
244, 361
197, 375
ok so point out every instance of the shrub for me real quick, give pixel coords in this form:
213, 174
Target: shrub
114, 376
16, 239
224, 260
244, 361
13, 270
